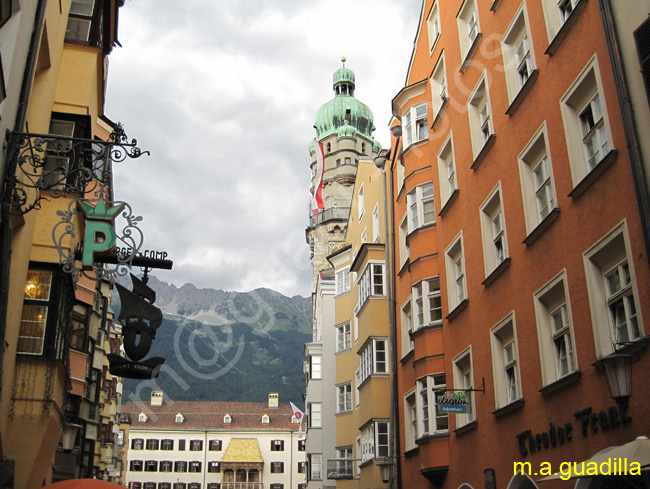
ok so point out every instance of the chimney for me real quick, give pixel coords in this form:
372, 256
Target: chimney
273, 400
157, 398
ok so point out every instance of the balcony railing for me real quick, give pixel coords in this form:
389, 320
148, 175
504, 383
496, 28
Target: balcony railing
241, 485
333, 213
340, 468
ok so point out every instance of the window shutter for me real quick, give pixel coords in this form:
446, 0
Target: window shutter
642, 40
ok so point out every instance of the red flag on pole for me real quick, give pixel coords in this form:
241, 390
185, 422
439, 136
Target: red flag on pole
317, 197
299, 416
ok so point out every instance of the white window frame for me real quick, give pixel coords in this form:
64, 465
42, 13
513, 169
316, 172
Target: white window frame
556, 343
493, 231
601, 259
344, 398
537, 181
505, 362
456, 275
343, 337
428, 389
316, 415
373, 359
410, 420
464, 379
374, 440
414, 122
420, 202
479, 112
566, 8
360, 202
469, 27
342, 281
439, 87
576, 101
517, 50
433, 26
406, 323
555, 14
371, 282
447, 170
315, 367
404, 252
425, 299
376, 230
315, 466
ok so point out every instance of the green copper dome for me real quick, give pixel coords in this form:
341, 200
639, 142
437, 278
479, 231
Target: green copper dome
344, 109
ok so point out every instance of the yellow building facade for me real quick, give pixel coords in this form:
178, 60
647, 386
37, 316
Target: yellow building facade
363, 345
55, 328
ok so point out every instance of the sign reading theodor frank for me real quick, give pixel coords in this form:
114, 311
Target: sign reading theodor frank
140, 319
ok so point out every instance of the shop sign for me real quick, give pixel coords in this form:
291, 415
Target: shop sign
559, 434
458, 402
99, 235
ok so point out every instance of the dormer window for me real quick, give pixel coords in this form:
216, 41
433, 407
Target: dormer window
294, 420
143, 417
265, 419
227, 419
180, 418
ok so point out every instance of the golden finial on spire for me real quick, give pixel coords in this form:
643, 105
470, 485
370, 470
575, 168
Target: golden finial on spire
343, 60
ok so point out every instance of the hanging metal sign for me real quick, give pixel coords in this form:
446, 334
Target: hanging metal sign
140, 319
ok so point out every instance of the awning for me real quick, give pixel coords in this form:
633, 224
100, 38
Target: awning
619, 458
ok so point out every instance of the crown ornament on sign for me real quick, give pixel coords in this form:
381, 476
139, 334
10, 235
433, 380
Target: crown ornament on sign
99, 212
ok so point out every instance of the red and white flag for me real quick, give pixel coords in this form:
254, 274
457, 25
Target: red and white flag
317, 197
299, 416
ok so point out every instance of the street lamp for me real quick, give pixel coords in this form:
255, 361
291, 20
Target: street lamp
69, 436
385, 469
619, 375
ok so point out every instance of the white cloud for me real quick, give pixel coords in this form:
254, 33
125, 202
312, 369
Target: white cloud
224, 95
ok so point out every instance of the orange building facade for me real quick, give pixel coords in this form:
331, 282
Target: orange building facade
521, 267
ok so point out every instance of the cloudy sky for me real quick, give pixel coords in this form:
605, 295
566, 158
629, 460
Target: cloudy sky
224, 93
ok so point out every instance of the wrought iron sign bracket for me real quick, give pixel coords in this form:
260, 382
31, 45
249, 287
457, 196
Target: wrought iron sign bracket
61, 166
482, 389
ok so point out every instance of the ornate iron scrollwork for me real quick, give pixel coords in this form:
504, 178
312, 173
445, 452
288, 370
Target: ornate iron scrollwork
131, 236
61, 166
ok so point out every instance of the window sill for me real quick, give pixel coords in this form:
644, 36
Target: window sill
484, 151
561, 382
432, 47
516, 102
343, 413
439, 114
542, 226
561, 34
435, 436
423, 329
404, 266
496, 272
342, 351
407, 357
470, 53
593, 175
413, 145
412, 451
452, 198
458, 309
423, 227
466, 427
509, 408
370, 377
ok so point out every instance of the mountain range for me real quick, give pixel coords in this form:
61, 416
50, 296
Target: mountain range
226, 346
